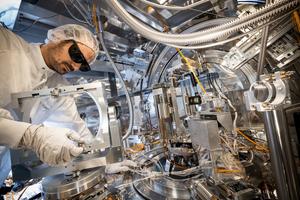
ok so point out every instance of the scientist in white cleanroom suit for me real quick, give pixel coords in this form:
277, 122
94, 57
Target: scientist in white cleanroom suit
26, 67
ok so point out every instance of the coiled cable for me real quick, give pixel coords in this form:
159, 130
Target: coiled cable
211, 34
222, 42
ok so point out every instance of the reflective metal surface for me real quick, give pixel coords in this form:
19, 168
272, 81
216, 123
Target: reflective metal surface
224, 136
273, 133
104, 149
67, 186
163, 188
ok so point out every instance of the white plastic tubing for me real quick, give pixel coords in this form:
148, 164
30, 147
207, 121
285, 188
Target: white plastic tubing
262, 15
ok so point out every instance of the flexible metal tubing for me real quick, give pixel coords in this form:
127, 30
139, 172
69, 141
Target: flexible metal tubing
207, 35
205, 46
131, 115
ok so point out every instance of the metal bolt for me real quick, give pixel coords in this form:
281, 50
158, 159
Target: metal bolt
264, 105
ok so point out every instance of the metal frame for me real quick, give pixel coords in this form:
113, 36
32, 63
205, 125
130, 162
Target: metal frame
106, 147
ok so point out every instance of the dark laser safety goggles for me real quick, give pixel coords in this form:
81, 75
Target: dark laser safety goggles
77, 56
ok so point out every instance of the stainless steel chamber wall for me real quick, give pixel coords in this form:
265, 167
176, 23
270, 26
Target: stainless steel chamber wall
212, 122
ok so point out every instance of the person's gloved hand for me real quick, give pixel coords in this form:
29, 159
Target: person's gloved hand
5, 114
54, 146
123, 166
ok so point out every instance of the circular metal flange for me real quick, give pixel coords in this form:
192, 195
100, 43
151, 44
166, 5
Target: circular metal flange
63, 186
163, 188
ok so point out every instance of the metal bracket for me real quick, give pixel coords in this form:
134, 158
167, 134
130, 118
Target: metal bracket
104, 150
277, 92
95, 90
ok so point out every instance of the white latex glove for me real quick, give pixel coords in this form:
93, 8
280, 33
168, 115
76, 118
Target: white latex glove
54, 146
5, 114
123, 166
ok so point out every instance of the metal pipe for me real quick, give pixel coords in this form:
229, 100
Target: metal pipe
289, 159
129, 101
263, 48
204, 36
272, 129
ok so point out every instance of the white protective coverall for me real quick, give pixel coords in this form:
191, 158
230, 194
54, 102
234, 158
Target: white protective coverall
22, 68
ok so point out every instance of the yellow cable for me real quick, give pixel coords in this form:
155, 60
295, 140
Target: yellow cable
94, 17
136, 148
156, 142
296, 19
250, 140
191, 69
228, 170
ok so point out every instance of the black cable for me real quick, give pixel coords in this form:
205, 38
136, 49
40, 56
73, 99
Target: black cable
37, 196
296, 70
33, 23
141, 90
166, 65
293, 92
23, 192
218, 84
3, 24
209, 81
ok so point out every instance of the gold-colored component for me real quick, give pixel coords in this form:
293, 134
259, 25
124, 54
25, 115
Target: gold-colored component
160, 18
191, 70
220, 170
218, 109
136, 148
94, 17
156, 142
296, 20
257, 146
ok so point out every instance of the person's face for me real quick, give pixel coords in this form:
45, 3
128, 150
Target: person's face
60, 60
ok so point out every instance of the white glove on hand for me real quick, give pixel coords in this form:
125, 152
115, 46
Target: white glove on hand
123, 166
5, 114
54, 146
